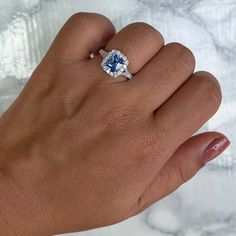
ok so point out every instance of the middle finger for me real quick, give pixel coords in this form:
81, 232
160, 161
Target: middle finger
162, 76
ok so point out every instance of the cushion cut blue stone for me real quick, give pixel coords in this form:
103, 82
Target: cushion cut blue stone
114, 63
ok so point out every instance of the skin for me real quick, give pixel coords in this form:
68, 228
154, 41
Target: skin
81, 150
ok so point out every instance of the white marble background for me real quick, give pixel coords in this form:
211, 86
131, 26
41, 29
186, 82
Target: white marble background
206, 205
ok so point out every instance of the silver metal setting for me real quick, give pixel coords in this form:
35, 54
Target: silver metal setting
122, 71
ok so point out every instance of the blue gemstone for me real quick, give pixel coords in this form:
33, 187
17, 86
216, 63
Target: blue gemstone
114, 63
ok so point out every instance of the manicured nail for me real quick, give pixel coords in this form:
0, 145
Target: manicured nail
215, 148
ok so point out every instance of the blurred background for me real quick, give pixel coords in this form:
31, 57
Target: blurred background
206, 205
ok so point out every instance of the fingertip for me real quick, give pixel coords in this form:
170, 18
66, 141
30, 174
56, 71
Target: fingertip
215, 148
206, 146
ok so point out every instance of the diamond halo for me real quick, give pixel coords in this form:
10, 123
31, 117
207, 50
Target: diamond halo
115, 63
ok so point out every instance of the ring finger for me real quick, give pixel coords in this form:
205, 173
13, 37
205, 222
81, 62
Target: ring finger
139, 42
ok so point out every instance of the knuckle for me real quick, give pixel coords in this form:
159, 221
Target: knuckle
152, 144
211, 87
118, 117
78, 16
147, 32
85, 16
182, 175
185, 55
161, 143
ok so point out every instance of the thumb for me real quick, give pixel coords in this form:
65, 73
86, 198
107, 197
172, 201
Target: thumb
184, 164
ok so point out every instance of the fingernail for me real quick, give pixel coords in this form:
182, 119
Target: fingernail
215, 148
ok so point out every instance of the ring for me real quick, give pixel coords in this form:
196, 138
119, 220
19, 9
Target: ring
115, 63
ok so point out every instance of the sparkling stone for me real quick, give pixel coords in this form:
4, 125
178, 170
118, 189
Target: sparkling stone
114, 63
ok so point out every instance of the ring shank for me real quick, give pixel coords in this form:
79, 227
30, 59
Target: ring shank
127, 74
103, 53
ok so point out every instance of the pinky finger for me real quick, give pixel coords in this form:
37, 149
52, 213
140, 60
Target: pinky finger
183, 165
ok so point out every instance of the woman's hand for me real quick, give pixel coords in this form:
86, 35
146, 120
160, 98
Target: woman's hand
80, 149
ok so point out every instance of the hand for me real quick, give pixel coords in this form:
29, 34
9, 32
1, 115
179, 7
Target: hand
80, 149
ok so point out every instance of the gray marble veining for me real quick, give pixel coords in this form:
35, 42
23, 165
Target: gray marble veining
205, 206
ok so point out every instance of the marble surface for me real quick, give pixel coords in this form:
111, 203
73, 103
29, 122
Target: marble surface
206, 205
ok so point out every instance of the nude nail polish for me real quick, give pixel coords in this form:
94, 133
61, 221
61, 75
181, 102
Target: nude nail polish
215, 148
